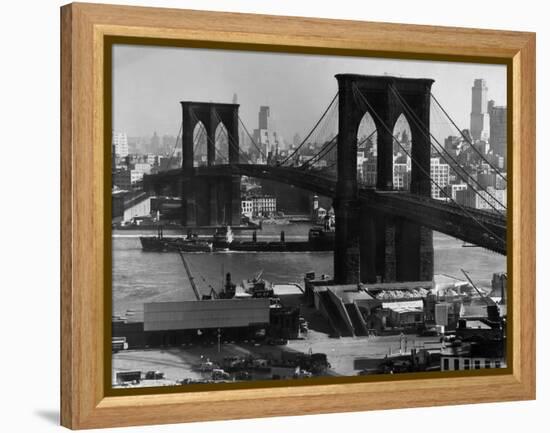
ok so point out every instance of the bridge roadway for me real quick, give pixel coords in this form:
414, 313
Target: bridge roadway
483, 228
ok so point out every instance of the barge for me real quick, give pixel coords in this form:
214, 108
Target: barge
161, 243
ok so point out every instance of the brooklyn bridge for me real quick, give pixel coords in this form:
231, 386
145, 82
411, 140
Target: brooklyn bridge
380, 231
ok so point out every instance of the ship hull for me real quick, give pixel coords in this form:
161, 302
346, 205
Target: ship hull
167, 244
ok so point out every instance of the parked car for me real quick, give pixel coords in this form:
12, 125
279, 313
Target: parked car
154, 375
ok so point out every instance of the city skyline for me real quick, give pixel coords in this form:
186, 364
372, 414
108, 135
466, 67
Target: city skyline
155, 76
369, 230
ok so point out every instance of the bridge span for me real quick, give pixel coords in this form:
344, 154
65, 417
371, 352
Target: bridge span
381, 234
483, 228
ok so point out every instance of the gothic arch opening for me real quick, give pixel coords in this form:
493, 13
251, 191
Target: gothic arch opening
199, 145
367, 137
221, 140
402, 164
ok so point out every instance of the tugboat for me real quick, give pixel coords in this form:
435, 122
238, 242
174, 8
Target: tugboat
322, 238
223, 238
161, 243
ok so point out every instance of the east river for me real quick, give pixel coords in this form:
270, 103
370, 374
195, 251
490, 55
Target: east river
140, 277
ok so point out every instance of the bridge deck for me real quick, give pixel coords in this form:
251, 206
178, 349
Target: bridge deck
479, 227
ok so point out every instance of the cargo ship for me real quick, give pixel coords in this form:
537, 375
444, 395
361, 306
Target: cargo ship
161, 243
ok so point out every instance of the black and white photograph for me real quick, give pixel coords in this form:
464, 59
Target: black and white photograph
287, 216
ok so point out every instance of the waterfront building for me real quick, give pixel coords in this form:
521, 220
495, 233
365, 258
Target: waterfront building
246, 208
130, 204
208, 314
472, 356
263, 204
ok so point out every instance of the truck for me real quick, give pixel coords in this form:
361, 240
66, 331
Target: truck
119, 343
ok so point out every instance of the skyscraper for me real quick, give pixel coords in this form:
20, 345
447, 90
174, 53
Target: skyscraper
263, 117
498, 123
265, 136
479, 118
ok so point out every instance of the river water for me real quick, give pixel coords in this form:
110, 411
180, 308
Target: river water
140, 277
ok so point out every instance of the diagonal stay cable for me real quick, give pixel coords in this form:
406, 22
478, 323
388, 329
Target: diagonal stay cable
178, 137
423, 128
468, 141
455, 164
222, 157
199, 138
430, 136
310, 132
469, 214
230, 139
252, 140
327, 147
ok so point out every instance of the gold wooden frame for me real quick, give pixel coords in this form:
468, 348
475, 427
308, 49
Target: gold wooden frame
85, 402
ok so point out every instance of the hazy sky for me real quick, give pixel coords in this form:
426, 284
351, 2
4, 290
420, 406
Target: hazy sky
149, 82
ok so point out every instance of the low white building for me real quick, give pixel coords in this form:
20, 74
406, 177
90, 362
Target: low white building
246, 208
263, 204
142, 167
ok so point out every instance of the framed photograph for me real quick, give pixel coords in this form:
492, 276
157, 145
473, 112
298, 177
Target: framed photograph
266, 216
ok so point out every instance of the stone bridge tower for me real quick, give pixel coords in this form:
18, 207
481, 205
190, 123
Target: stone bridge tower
368, 245
216, 200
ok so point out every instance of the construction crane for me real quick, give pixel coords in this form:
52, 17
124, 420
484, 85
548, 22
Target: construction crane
190, 276
226, 293
259, 276
486, 298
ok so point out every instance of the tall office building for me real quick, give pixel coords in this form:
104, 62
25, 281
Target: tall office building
120, 143
263, 117
498, 115
440, 173
265, 136
479, 118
